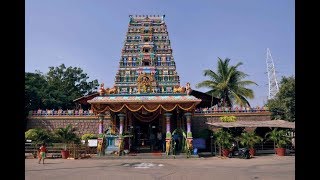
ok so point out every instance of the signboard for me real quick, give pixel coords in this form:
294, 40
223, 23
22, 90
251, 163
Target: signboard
199, 143
92, 142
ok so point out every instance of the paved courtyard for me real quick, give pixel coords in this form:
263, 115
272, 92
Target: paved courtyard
264, 167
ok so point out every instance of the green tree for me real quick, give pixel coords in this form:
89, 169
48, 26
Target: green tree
58, 88
35, 85
283, 105
227, 83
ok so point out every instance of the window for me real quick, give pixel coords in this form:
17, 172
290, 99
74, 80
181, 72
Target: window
146, 63
123, 89
146, 39
146, 50
169, 89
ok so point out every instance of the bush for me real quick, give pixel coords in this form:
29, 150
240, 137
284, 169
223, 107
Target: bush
228, 118
39, 136
89, 136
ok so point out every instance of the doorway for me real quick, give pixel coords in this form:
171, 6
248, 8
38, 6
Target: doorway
145, 136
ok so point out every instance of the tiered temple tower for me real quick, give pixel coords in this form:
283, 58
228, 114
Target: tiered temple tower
146, 64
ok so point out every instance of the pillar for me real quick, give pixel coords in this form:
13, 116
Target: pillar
188, 117
168, 132
168, 115
121, 118
101, 117
189, 133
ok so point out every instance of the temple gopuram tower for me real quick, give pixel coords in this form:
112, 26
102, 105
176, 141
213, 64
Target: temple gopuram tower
146, 57
146, 97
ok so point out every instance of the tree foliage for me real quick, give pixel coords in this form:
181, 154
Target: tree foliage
283, 105
249, 139
279, 137
67, 135
223, 139
39, 136
58, 88
35, 85
227, 83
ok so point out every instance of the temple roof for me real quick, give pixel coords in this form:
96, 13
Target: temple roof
84, 99
206, 99
144, 98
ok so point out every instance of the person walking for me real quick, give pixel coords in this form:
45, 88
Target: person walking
42, 154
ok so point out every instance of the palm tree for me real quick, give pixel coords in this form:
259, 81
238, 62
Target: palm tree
228, 84
67, 135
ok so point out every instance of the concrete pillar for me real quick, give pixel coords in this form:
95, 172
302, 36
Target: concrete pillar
101, 118
121, 118
188, 117
189, 133
168, 115
168, 132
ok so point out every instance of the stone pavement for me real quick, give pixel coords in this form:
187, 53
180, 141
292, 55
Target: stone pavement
264, 167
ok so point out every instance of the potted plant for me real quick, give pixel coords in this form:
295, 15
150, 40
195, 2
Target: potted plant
280, 138
249, 139
224, 140
67, 135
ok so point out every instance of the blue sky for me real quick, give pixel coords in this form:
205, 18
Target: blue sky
90, 35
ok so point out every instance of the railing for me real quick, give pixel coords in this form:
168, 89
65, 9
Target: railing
61, 112
231, 110
54, 150
83, 113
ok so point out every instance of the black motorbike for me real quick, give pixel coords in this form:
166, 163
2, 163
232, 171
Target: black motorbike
239, 152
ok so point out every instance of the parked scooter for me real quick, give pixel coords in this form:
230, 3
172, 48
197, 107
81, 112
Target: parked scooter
239, 152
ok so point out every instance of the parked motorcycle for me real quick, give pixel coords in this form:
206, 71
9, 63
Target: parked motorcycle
239, 152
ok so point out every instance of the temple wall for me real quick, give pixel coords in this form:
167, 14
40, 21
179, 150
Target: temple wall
82, 124
90, 124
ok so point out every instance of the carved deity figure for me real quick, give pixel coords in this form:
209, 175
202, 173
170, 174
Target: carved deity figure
100, 146
144, 83
101, 89
188, 88
180, 89
168, 143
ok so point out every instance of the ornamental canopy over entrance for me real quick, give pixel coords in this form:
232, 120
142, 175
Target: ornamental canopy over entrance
143, 102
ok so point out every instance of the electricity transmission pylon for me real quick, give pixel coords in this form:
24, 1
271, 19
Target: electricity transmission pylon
272, 79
